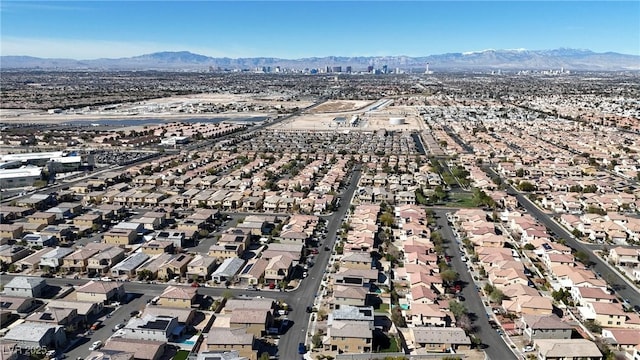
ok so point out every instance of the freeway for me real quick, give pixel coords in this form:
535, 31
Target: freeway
612, 277
495, 347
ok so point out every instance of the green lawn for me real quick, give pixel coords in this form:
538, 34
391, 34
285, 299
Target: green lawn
181, 355
461, 200
383, 308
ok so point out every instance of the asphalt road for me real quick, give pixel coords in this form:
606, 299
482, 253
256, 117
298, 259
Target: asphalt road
495, 347
120, 314
612, 277
309, 289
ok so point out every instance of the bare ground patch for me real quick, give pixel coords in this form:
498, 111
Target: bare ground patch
340, 105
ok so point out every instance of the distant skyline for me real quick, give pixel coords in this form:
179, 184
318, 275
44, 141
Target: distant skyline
295, 29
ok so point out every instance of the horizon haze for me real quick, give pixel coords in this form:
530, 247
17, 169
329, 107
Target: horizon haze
302, 29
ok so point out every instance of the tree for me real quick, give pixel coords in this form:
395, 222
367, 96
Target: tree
520, 172
464, 322
457, 308
488, 288
593, 326
386, 219
560, 295
397, 318
529, 247
526, 186
449, 276
316, 340
497, 296
144, 274
583, 257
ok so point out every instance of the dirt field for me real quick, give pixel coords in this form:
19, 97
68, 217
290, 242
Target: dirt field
368, 120
339, 106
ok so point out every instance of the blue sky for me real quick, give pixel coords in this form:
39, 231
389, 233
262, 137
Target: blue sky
293, 29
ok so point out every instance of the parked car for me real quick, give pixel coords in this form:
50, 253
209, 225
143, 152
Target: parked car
96, 325
302, 349
96, 345
118, 327
528, 348
134, 313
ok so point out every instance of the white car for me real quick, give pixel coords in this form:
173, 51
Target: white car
528, 348
96, 345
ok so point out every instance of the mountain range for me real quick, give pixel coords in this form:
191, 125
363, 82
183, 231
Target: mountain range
518, 59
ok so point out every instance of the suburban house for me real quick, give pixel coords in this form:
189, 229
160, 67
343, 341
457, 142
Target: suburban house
102, 262
119, 348
361, 277
176, 266
17, 304
278, 269
534, 327
30, 335
421, 314
625, 257
120, 237
149, 327
178, 297
200, 267
10, 231
436, 339
349, 295
352, 336
606, 314
357, 260
25, 287
65, 317
253, 321
155, 247
224, 339
253, 272
622, 339
78, 260
100, 291
584, 295
567, 349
